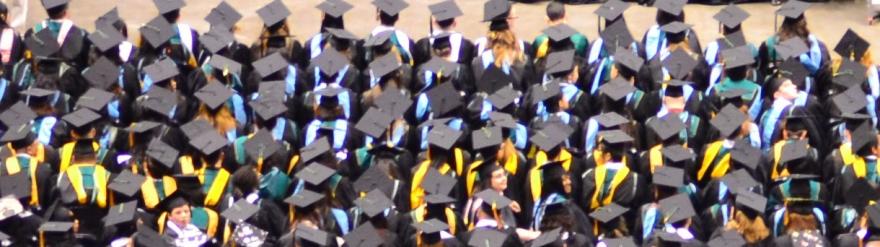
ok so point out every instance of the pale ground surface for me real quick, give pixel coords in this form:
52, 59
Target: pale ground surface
828, 20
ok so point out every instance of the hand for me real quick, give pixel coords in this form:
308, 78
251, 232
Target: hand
515, 207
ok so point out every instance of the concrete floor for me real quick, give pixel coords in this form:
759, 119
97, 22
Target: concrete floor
828, 20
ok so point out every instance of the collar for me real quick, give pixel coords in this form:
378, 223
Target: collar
728, 143
381, 28
486, 223
614, 165
781, 102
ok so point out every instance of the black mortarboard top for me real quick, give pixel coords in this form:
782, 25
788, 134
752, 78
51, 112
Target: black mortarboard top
503, 97
334, 8
559, 32
732, 95
431, 226
793, 9
95, 99
675, 27
161, 70
487, 238
374, 203
445, 10
365, 235
616, 35
240, 211
611, 119
330, 62
304, 198
737, 57
609, 212
745, 154
55, 227
615, 137
50, 4
267, 108
208, 142
261, 145
105, 36
270, 64
862, 136
486, 137
667, 126
342, 34
735, 39
81, 118
102, 74
440, 65
616, 89
148, 237
224, 64
35, 92
217, 38
669, 176
629, 60
727, 238
162, 153
612, 9
849, 74
390, 7
860, 193
224, 14
794, 70
551, 136
728, 120
792, 47
443, 136
739, 180
502, 120
374, 122
121, 213
384, 65
189, 185
316, 148
194, 128
619, 242
547, 238
851, 100
378, 39
374, 178
493, 79
676, 208
435, 183
42, 44
674, 7
165, 6
496, 10
127, 183
214, 94
751, 200
444, 98
731, 16
109, 18
16, 133
393, 102
851, 46
679, 64
273, 13
315, 173
157, 31
17, 185
493, 199
17, 114
560, 61
315, 236
677, 153
793, 151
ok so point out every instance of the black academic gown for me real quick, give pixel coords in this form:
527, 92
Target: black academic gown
462, 78
22, 228
512, 239
629, 193
74, 49
522, 72
465, 47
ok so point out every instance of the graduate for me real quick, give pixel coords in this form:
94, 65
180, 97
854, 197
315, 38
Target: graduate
331, 121
656, 42
439, 106
220, 106
332, 12
610, 178
162, 99
615, 112
276, 36
797, 130
388, 13
444, 156
376, 220
252, 210
27, 156
565, 68
22, 221
547, 143
124, 49
19, 115
799, 42
182, 46
604, 48
44, 69
548, 102
459, 49
110, 44
667, 181
219, 40
863, 234
672, 218
270, 117
784, 95
496, 156
556, 19
373, 206
847, 71
158, 169
797, 203
684, 127
178, 226
609, 224
71, 38
227, 73
442, 68
435, 233
116, 82
386, 133
677, 60
671, 156
437, 205
556, 206
744, 214
386, 73
859, 164
332, 74
501, 49
737, 63
83, 187
730, 21
307, 210
210, 160
38, 107
489, 215
331, 213
714, 159
11, 48
495, 181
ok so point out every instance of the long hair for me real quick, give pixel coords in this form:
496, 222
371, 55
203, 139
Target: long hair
245, 181
754, 230
800, 222
279, 30
221, 118
505, 47
796, 27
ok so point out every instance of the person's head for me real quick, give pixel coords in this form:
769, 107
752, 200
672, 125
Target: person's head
179, 211
751, 226
794, 27
493, 177
784, 88
4, 14
674, 100
664, 18
503, 42
795, 127
555, 12
59, 12
172, 16
386, 19
245, 180
328, 21
729, 30
738, 73
447, 24
84, 151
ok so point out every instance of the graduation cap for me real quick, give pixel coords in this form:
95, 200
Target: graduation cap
791, 48
440, 65
240, 211
95, 99
628, 59
273, 13
551, 136
214, 94
619, 242
390, 7
443, 136
374, 178
860, 194
312, 235
166, 6
146, 236
496, 10
679, 64
862, 136
793, 9
675, 27
674, 7
728, 120
217, 38
542, 92
42, 44
445, 10
735, 39
560, 32
81, 118
121, 213
493, 199
364, 235
793, 151
612, 9
374, 122
315, 173
487, 238
16, 185
246, 234
334, 8
616, 89
161, 70
105, 36
547, 238
374, 203
384, 65
330, 62
18, 132
752, 201
109, 18
851, 46
208, 142
34, 94
503, 97
611, 119
851, 100
493, 79
304, 198
316, 148
196, 127
224, 64
435, 183
273, 63
727, 238
378, 39
393, 102
17, 114
224, 14
51, 4
267, 108
102, 74
261, 145
55, 227
560, 61
794, 70
127, 183
616, 35
444, 98
667, 126
431, 226
669, 176
342, 34
502, 120
849, 74
731, 16
677, 153
745, 154
157, 31
676, 208
162, 153
609, 212
737, 57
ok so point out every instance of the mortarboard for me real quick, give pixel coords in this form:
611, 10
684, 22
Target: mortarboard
374, 122
17, 114
731, 16
157, 31
81, 118
496, 10
394, 102
752, 200
431, 226
793, 9
674, 7
862, 136
270, 64
616, 35
676, 208
304, 198
273, 13
487, 238
194, 128
374, 178
378, 39
551, 136
390, 7
445, 10
374, 203
735, 39
55, 227
38, 93
544, 91
628, 59
677, 153
214, 94
330, 62
102, 74
679, 64
860, 194
745, 154
17, 132
611, 119
312, 235
619, 242
246, 234
315, 173
503, 120
127, 183
440, 65
493, 199
737, 57
109, 18
267, 108
17, 185
224, 14
667, 126
486, 137
794, 70
728, 120
162, 153
342, 34
444, 98
225, 64
612, 9
739, 180
849, 73
334, 8
217, 38
384, 65
364, 235
42, 44
616, 89
208, 142
443, 136
851, 100
559, 32
560, 61
161, 70
261, 145
105, 36
316, 148
240, 211
793, 151
503, 97
50, 4
160, 100
547, 238
166, 6
675, 27
851, 46
669, 176
121, 213
792, 47
727, 238
146, 236
435, 183
493, 79
609, 212
95, 99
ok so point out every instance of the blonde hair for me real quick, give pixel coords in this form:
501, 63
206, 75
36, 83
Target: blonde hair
753, 230
505, 47
222, 119
800, 222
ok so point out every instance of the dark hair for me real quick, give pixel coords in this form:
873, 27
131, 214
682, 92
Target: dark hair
446, 23
387, 19
738, 73
4, 12
796, 27
57, 12
172, 16
664, 18
555, 11
332, 22
245, 181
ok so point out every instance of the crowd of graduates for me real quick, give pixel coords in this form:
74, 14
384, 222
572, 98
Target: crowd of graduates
184, 138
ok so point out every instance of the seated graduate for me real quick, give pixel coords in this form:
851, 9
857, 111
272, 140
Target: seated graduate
610, 177
332, 120
747, 170
558, 35
252, 214
333, 179
459, 49
802, 228
557, 201
610, 224
386, 135
548, 145
58, 230
844, 154
434, 233
388, 13
21, 220
270, 120
158, 170
549, 104
495, 180
859, 164
798, 129
331, 72
670, 219
625, 69
432, 75
671, 148
714, 159
122, 224
171, 210
612, 13
501, 49
443, 156
799, 203
20, 114
784, 95
737, 66
491, 212
845, 72
864, 233
730, 27
24, 157
82, 187
615, 113
331, 18
385, 72
161, 93
743, 213
178, 225
794, 42
437, 206
604, 53
45, 108
439, 69
330, 212
496, 165
224, 72
375, 217
44, 68
656, 39
565, 68
227, 119
677, 60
